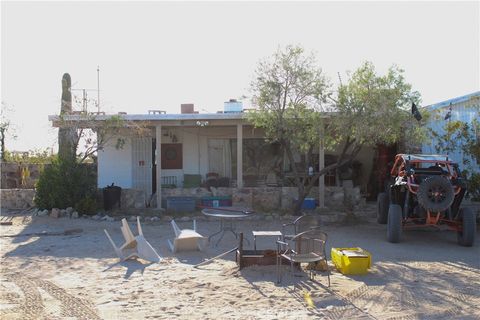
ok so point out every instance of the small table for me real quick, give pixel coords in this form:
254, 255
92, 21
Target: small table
227, 220
277, 234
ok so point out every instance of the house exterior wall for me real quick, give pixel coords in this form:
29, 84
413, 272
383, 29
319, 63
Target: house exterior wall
466, 109
115, 165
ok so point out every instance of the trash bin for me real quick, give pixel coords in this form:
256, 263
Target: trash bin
111, 196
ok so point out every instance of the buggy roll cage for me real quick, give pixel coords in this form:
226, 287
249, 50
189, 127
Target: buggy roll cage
406, 166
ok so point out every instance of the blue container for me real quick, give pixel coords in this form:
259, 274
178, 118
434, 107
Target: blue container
181, 204
308, 203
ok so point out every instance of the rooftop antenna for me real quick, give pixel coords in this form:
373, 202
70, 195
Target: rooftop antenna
85, 94
98, 88
84, 97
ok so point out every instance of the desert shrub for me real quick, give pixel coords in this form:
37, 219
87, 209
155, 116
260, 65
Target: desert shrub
64, 184
87, 205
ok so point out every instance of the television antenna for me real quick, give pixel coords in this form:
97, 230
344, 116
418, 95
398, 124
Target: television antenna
85, 93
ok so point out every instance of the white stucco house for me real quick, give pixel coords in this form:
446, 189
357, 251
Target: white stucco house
465, 108
181, 150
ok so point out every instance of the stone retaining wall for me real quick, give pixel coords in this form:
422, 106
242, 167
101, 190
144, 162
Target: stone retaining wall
11, 175
264, 199
268, 198
17, 198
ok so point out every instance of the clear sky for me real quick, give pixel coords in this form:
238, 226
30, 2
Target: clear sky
157, 55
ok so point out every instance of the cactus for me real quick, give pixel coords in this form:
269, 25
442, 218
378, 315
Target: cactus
67, 136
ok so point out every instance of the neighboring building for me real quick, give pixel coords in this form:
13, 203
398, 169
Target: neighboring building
191, 148
465, 108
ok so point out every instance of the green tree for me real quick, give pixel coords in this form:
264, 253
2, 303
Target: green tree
88, 132
6, 128
293, 98
372, 109
460, 136
290, 91
93, 135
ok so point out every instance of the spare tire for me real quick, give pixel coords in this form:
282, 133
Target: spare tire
435, 193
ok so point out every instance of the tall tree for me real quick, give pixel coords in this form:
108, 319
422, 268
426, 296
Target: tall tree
289, 91
372, 109
293, 96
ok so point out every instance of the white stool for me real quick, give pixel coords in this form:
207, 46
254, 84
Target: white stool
277, 234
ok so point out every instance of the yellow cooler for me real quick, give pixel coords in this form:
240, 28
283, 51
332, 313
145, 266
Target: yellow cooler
351, 260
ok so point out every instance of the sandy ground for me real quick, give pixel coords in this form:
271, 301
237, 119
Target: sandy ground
77, 276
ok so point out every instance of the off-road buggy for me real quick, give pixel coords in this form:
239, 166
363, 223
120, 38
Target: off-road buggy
425, 190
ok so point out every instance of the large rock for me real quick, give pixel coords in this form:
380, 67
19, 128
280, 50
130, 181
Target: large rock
56, 213
266, 199
242, 197
43, 213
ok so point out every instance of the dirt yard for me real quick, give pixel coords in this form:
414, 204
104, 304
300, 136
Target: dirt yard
427, 276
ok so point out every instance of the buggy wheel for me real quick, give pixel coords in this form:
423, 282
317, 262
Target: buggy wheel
435, 193
466, 237
394, 225
382, 208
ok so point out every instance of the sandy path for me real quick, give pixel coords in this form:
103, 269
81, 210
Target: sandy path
77, 277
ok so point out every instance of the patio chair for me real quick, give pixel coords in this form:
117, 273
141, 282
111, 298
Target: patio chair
306, 247
299, 225
187, 239
134, 246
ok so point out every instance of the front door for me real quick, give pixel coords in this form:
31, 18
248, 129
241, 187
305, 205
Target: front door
220, 157
142, 165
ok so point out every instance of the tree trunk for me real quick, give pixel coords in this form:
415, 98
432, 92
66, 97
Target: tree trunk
303, 190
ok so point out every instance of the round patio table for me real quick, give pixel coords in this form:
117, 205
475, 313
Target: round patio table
227, 217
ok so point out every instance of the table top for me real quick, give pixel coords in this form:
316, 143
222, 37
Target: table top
267, 233
226, 213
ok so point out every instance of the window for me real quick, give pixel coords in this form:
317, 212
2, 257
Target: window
172, 157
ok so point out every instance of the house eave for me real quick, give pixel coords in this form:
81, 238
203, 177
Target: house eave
90, 120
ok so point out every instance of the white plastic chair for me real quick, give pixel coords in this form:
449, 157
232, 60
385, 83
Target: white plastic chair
134, 247
187, 239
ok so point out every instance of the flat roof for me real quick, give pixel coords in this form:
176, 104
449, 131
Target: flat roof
454, 101
150, 117
93, 117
